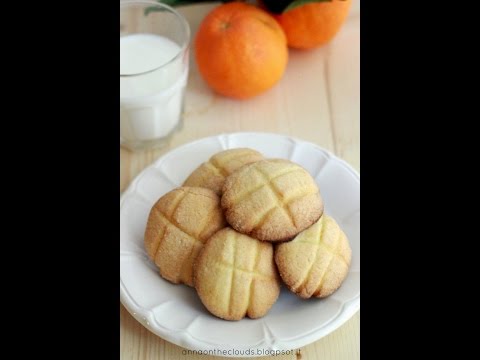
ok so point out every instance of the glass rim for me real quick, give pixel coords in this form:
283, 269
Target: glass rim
182, 20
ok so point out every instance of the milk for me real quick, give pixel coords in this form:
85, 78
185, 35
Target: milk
150, 103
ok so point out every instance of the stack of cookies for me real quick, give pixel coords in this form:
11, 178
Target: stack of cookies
238, 226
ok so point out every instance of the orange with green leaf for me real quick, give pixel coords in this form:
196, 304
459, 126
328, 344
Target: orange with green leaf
309, 23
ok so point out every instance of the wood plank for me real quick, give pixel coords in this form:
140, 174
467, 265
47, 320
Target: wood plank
317, 100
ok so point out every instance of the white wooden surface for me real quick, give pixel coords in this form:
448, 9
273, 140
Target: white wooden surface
317, 100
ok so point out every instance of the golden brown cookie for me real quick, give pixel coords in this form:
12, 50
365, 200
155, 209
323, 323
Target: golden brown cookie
316, 262
178, 225
212, 174
271, 200
235, 276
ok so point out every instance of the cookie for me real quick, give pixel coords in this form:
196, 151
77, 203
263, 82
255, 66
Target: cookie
316, 262
212, 174
235, 276
271, 200
179, 224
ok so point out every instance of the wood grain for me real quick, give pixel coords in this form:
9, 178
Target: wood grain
137, 343
317, 100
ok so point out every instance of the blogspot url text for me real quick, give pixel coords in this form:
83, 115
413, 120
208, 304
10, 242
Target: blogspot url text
243, 352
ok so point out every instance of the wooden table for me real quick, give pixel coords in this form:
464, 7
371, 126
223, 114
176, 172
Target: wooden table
317, 100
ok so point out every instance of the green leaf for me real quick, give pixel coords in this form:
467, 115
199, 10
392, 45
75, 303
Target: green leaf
297, 3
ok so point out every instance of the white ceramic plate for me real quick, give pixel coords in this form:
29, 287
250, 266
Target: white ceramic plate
175, 313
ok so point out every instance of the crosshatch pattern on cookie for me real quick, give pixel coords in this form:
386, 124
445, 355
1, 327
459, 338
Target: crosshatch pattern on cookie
212, 173
178, 226
316, 262
271, 193
235, 276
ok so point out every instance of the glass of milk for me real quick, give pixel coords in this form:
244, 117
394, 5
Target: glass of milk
154, 45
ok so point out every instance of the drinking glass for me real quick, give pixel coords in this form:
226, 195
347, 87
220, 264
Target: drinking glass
154, 47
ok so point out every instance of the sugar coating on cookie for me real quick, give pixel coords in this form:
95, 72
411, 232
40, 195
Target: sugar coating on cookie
316, 262
179, 224
212, 174
271, 200
235, 276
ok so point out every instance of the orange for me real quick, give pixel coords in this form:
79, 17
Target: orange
240, 50
314, 24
